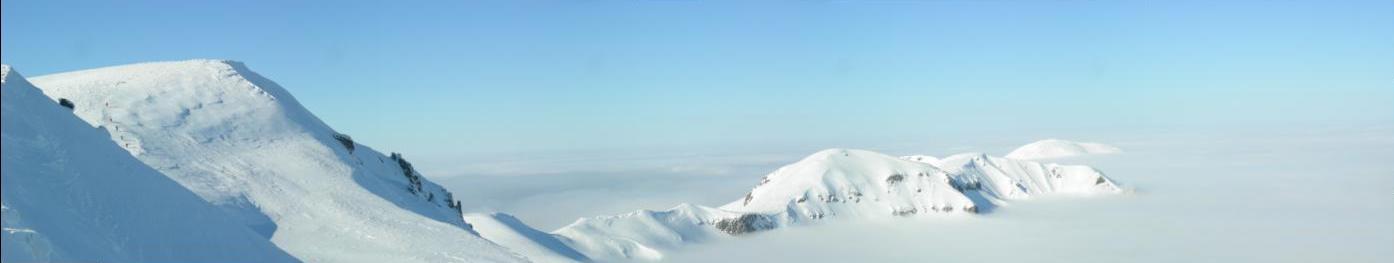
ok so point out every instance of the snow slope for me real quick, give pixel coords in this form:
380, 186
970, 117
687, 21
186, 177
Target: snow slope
508, 231
244, 144
70, 194
1056, 148
836, 183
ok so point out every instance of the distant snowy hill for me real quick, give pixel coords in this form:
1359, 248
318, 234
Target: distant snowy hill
244, 144
512, 233
646, 234
834, 183
1056, 148
71, 195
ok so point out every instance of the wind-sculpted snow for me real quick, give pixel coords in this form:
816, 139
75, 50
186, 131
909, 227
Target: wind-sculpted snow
243, 143
71, 195
836, 183
1056, 148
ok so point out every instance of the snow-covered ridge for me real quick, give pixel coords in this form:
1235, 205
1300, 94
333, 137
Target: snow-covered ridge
1056, 148
842, 182
245, 144
836, 183
71, 195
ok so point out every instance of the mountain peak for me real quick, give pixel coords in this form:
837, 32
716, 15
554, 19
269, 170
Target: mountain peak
848, 181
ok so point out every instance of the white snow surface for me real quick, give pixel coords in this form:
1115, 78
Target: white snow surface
71, 195
644, 234
244, 144
508, 231
1057, 148
836, 184
845, 182
1005, 178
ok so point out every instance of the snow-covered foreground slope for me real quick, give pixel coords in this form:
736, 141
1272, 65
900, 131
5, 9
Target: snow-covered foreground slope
1056, 148
841, 184
243, 143
71, 195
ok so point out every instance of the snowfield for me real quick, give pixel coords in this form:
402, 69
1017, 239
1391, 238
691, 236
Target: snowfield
244, 144
71, 195
1056, 148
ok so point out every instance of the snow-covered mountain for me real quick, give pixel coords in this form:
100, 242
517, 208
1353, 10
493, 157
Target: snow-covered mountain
71, 195
1056, 148
843, 182
244, 144
833, 183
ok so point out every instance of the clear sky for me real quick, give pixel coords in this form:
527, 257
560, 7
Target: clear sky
481, 77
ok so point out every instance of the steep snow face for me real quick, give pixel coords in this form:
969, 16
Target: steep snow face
1056, 148
70, 194
842, 182
243, 143
537, 246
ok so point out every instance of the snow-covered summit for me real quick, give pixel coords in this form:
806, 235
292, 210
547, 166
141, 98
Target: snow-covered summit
1056, 148
245, 144
853, 182
71, 195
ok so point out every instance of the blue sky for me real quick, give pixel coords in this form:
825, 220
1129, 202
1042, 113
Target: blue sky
484, 77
